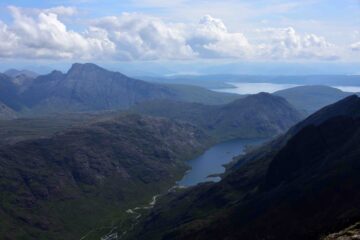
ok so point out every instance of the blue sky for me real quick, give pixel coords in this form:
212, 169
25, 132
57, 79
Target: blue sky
137, 31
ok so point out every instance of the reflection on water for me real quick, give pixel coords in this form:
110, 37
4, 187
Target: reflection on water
354, 89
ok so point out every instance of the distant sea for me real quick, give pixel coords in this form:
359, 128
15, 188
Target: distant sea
253, 88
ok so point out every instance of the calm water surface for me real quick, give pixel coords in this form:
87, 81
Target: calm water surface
212, 161
253, 88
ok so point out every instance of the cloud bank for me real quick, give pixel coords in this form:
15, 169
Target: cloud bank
133, 36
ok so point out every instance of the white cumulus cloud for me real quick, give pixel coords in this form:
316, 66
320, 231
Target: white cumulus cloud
286, 43
211, 38
41, 33
44, 35
139, 36
8, 41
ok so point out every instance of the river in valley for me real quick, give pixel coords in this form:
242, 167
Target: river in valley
209, 163
212, 161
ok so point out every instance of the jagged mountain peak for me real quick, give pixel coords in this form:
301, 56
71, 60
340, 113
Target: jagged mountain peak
76, 67
85, 69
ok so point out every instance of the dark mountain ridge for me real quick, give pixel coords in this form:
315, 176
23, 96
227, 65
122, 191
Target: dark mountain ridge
304, 190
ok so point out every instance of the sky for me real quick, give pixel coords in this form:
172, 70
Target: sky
198, 33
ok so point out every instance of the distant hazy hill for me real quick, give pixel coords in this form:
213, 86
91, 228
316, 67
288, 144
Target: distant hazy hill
88, 87
311, 98
13, 73
306, 99
189, 93
304, 188
260, 115
221, 80
63, 186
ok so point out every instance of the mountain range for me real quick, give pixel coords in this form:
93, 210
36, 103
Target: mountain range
80, 150
88, 87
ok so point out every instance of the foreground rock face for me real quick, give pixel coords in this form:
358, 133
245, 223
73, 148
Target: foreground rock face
303, 187
62, 186
350, 233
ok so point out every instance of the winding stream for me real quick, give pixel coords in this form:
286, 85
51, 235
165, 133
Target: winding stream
209, 163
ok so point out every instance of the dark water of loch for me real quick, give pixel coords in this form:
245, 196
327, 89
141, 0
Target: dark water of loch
212, 161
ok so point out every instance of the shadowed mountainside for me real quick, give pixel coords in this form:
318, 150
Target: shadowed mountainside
63, 186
